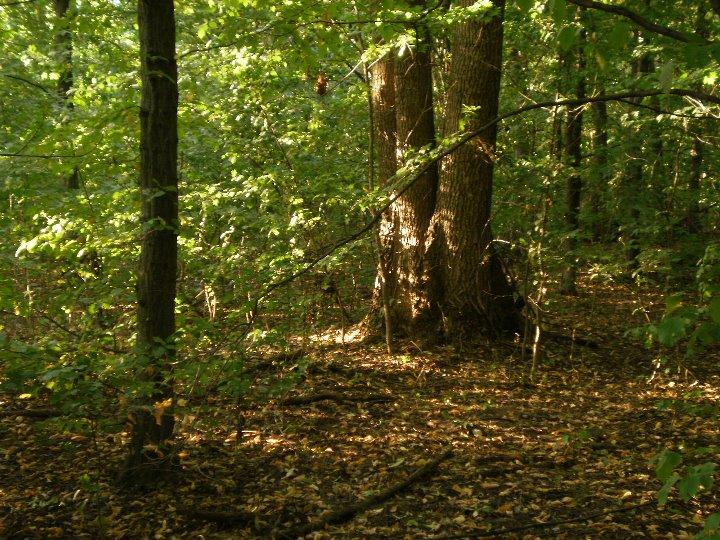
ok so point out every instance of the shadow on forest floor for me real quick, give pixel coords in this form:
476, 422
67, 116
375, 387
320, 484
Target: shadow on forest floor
573, 446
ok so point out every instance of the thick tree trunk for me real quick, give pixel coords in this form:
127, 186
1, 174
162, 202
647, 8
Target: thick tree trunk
63, 55
468, 287
573, 136
413, 211
152, 421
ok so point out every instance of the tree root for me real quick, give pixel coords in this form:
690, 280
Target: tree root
346, 514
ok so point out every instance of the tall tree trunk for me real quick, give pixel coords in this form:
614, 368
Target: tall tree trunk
633, 178
693, 210
63, 55
382, 105
152, 421
574, 182
467, 284
601, 175
414, 209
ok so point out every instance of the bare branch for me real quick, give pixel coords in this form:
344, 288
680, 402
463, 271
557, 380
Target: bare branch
642, 21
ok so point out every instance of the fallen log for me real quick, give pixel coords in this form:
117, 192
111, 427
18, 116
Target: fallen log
347, 513
334, 396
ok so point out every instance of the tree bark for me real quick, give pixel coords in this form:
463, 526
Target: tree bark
467, 286
63, 55
600, 166
413, 211
573, 136
382, 107
152, 420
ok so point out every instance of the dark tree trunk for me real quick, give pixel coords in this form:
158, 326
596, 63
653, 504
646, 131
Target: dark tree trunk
412, 212
63, 55
633, 178
600, 167
693, 211
573, 137
152, 421
468, 286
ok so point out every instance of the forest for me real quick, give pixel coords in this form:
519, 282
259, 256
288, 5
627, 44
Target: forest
365, 269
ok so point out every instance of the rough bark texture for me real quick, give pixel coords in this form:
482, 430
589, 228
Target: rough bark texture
468, 285
152, 421
413, 211
63, 57
573, 137
382, 95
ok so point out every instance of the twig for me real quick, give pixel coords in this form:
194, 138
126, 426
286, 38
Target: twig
345, 514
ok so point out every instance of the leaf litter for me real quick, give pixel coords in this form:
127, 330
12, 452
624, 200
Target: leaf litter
564, 457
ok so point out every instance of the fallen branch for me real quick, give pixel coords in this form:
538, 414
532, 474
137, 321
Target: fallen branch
224, 518
543, 524
40, 414
334, 396
345, 514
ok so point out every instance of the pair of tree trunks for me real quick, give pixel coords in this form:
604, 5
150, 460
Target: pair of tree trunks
152, 420
442, 272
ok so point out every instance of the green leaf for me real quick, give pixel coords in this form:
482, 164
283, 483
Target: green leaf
559, 11
673, 302
666, 463
671, 330
662, 495
619, 35
714, 309
666, 76
566, 37
525, 5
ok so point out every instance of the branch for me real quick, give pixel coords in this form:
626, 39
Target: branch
18, 2
26, 81
454, 146
641, 21
345, 514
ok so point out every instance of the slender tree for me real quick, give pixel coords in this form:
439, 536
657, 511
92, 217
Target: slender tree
152, 421
63, 55
573, 149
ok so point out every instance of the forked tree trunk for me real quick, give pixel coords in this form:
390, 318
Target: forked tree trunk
573, 137
63, 55
152, 420
468, 287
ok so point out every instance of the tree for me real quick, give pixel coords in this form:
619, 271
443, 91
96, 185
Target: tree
152, 422
573, 150
63, 53
451, 279
409, 216
469, 289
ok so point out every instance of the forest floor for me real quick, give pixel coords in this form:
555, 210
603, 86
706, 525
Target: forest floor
564, 457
